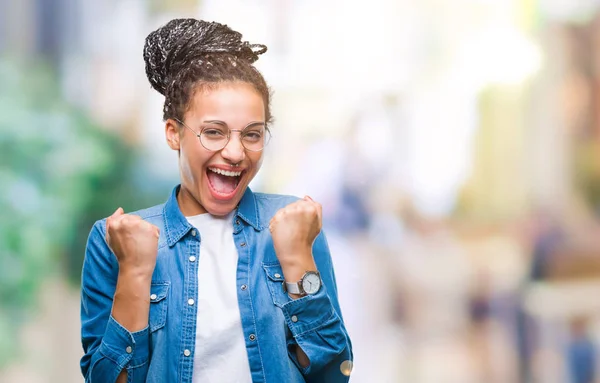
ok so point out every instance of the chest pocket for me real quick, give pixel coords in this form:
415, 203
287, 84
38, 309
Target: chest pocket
275, 282
159, 292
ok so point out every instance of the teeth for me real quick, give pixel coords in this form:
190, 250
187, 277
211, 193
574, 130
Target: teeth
225, 172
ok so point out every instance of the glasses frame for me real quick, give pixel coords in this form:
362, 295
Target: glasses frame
199, 135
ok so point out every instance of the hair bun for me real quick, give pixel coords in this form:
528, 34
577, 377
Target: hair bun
173, 46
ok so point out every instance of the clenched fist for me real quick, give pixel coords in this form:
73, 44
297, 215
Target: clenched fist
294, 229
134, 242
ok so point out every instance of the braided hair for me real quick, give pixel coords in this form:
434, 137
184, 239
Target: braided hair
186, 55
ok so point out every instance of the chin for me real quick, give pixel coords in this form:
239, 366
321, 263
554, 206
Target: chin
220, 209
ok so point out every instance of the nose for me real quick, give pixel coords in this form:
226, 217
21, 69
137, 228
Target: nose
234, 151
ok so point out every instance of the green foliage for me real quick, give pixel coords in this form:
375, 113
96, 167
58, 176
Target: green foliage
58, 174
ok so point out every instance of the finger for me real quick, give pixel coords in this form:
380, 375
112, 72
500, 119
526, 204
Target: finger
117, 213
293, 205
318, 208
148, 226
279, 215
114, 215
274, 220
311, 201
319, 212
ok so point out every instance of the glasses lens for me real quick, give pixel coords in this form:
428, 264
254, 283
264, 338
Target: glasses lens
214, 138
255, 139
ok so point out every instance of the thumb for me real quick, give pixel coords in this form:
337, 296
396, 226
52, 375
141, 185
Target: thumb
318, 205
117, 213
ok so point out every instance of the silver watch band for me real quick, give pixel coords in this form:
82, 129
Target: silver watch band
293, 287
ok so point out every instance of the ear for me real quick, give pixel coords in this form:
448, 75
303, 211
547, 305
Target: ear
172, 134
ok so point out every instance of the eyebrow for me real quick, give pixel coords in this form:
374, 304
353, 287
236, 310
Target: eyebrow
219, 122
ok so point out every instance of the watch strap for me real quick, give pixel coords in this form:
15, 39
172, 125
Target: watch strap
294, 288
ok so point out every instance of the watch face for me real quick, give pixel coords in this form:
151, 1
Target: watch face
311, 283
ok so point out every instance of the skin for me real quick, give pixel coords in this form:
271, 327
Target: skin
134, 241
236, 105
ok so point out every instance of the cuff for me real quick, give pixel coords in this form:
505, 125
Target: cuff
125, 348
308, 313
317, 330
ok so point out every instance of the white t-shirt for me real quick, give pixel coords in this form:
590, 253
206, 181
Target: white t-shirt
220, 353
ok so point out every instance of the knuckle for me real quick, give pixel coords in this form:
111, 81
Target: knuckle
130, 218
133, 220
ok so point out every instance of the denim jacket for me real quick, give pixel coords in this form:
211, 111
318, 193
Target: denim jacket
272, 322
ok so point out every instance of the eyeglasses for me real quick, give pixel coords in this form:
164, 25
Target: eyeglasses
216, 137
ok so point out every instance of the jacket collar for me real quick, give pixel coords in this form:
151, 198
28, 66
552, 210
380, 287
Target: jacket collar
177, 226
247, 210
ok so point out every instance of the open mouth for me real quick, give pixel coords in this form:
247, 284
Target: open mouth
223, 183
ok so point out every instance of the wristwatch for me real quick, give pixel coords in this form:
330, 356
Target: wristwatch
309, 284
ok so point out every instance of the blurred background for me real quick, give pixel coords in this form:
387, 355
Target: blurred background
455, 146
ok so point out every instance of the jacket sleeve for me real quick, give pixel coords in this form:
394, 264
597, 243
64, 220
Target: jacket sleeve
109, 347
316, 326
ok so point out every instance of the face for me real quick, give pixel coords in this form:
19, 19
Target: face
209, 182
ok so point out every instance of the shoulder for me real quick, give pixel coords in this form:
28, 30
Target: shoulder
148, 214
268, 204
269, 198
152, 214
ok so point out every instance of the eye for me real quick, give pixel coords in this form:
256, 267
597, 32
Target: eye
253, 135
213, 133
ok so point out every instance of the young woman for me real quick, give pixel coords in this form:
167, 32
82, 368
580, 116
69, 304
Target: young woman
218, 284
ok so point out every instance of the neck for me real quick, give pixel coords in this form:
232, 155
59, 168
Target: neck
189, 205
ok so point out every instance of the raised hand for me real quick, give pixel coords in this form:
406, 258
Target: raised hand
133, 241
294, 229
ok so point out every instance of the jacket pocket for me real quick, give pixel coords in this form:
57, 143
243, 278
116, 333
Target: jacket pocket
158, 305
275, 281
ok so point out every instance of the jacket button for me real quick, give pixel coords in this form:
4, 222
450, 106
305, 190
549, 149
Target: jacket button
346, 367
187, 352
244, 287
190, 302
252, 337
193, 233
192, 258
153, 297
294, 318
277, 275
243, 244
129, 350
